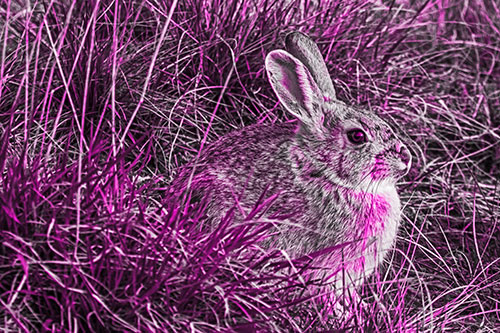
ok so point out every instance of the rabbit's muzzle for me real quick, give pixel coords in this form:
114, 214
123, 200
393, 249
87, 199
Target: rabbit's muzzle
394, 162
403, 155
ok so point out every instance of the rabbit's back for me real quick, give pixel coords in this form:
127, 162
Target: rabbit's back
240, 166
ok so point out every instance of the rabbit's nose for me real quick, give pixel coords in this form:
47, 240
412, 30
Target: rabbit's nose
404, 155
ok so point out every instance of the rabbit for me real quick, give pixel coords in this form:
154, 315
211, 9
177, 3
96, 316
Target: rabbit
333, 172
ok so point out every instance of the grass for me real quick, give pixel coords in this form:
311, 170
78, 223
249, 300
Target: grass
102, 101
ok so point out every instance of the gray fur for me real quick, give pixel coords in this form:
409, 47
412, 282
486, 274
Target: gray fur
304, 49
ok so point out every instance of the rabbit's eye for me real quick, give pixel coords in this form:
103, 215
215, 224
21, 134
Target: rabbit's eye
356, 136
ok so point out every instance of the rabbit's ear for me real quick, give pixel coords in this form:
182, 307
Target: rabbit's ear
303, 48
294, 86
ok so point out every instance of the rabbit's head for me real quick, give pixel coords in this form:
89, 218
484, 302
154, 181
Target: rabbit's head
344, 145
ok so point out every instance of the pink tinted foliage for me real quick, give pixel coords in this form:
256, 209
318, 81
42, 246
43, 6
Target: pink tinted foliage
101, 101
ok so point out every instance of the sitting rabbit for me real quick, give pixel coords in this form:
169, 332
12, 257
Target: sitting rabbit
333, 172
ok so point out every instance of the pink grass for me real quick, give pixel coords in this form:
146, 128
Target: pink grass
102, 101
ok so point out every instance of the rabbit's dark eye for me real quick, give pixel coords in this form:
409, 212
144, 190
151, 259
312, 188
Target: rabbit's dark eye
356, 136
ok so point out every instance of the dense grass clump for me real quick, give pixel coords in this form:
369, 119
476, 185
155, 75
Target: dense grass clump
102, 101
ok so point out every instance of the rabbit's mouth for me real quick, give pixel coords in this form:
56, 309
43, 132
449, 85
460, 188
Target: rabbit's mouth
401, 168
394, 171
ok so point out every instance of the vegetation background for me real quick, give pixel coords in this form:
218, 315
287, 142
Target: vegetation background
101, 101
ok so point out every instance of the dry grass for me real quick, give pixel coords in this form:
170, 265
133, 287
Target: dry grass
101, 101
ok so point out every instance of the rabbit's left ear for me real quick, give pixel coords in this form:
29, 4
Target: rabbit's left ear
295, 87
306, 51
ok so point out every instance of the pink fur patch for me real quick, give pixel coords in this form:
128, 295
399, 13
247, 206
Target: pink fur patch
370, 222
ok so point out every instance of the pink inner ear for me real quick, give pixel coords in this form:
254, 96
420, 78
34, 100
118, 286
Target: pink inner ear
292, 82
286, 82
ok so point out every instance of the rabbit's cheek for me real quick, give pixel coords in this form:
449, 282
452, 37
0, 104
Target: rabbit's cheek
342, 167
350, 168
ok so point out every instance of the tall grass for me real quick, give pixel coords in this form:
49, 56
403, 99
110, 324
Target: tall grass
102, 101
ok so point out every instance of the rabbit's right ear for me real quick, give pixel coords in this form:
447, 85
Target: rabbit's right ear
295, 87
